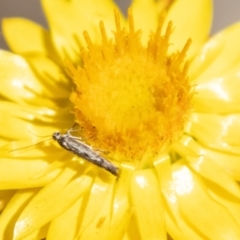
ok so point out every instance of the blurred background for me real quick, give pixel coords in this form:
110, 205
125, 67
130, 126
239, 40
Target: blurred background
226, 12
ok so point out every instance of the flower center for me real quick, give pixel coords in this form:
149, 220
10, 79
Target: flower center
131, 100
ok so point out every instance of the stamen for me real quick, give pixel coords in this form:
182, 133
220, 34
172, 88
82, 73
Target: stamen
130, 21
117, 20
182, 54
103, 33
87, 39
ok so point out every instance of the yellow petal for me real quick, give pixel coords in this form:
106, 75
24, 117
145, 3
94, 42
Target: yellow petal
3, 142
52, 76
176, 226
148, 205
122, 211
96, 213
219, 55
216, 131
36, 113
223, 198
191, 20
221, 91
58, 228
212, 172
5, 197
126, 237
76, 17
145, 14
133, 230
229, 162
48, 204
26, 121
29, 149
180, 231
16, 174
197, 207
40, 233
18, 82
13, 210
31, 37
14, 127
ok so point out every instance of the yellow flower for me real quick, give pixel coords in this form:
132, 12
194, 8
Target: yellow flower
166, 113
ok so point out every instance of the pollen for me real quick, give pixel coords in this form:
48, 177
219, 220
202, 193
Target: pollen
131, 99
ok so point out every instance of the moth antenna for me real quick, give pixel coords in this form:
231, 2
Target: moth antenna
15, 150
34, 134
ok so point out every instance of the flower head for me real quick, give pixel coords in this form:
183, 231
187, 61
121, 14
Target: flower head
164, 111
138, 97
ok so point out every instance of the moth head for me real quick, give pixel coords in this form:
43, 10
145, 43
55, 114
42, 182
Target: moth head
56, 135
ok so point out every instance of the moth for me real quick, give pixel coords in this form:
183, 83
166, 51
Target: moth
81, 149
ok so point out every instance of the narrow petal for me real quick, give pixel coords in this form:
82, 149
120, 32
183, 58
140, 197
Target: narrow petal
231, 203
3, 142
17, 174
216, 131
185, 231
58, 228
18, 82
145, 14
212, 172
48, 204
40, 233
221, 91
96, 211
14, 127
191, 20
13, 210
52, 76
76, 17
133, 230
176, 226
31, 37
122, 212
146, 198
5, 197
229, 162
191, 194
20, 122
217, 56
